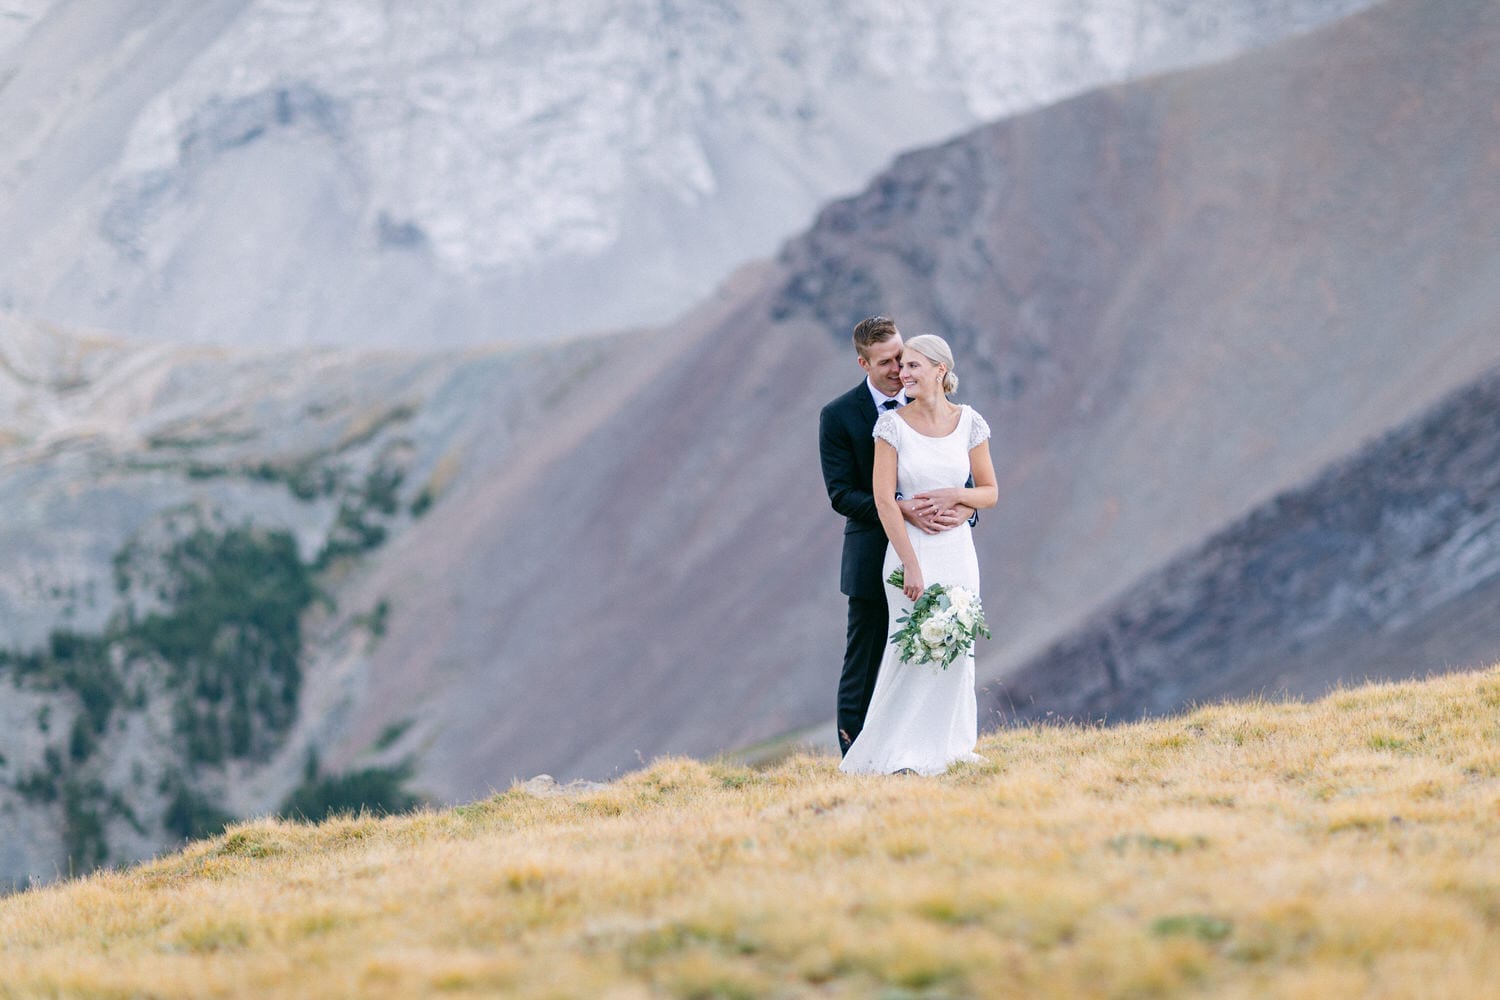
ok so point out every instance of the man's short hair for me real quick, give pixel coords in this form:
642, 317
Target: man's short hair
872, 331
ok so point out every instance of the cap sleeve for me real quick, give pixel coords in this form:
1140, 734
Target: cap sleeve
978, 429
888, 428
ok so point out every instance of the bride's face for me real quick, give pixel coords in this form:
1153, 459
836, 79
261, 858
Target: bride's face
920, 376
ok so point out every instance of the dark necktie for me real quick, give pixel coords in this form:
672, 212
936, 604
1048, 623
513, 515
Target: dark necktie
890, 404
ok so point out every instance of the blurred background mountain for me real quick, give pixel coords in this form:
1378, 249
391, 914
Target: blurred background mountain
1233, 325
273, 172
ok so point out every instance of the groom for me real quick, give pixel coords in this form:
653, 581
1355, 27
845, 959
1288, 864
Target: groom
847, 449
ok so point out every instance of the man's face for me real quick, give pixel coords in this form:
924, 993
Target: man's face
883, 365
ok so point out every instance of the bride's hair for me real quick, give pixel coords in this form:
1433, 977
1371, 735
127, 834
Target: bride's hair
935, 349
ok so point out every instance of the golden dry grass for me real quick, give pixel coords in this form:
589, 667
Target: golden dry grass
1348, 848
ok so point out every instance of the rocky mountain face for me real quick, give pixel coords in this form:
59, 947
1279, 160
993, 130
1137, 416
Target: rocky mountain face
1177, 299
181, 527
1173, 300
1386, 563
259, 172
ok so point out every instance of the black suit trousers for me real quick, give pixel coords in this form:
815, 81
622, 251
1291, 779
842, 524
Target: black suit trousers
868, 621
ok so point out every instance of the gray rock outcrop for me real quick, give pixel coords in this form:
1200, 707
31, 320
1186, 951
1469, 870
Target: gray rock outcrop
1386, 565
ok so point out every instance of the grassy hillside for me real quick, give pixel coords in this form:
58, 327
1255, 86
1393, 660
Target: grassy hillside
1339, 849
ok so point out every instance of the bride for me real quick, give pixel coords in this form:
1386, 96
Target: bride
923, 717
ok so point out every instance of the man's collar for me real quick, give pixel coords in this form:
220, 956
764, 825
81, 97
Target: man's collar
877, 397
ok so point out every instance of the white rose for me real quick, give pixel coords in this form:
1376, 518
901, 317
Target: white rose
963, 608
934, 631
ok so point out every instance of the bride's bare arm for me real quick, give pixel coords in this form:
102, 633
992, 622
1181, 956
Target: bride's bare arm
883, 479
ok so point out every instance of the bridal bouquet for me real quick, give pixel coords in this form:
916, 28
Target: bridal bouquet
941, 626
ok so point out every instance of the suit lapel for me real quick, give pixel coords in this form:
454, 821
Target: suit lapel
865, 404
864, 446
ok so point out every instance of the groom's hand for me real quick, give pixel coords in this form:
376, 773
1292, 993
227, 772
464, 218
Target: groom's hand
953, 517
923, 514
939, 510
931, 516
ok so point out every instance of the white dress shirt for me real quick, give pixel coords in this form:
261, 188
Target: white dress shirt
880, 397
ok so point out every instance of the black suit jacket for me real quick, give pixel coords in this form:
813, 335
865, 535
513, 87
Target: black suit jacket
847, 449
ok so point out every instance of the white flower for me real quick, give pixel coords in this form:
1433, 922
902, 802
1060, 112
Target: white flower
934, 631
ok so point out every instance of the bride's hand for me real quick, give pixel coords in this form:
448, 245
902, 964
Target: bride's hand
912, 585
941, 499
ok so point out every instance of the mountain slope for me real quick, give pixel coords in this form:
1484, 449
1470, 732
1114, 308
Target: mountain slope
1078, 861
1176, 299
1172, 300
1394, 549
253, 172
179, 639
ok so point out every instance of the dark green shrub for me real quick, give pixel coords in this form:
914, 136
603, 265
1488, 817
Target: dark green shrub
376, 789
233, 638
38, 786
190, 815
81, 741
83, 826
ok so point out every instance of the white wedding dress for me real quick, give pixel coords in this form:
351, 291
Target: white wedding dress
924, 716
